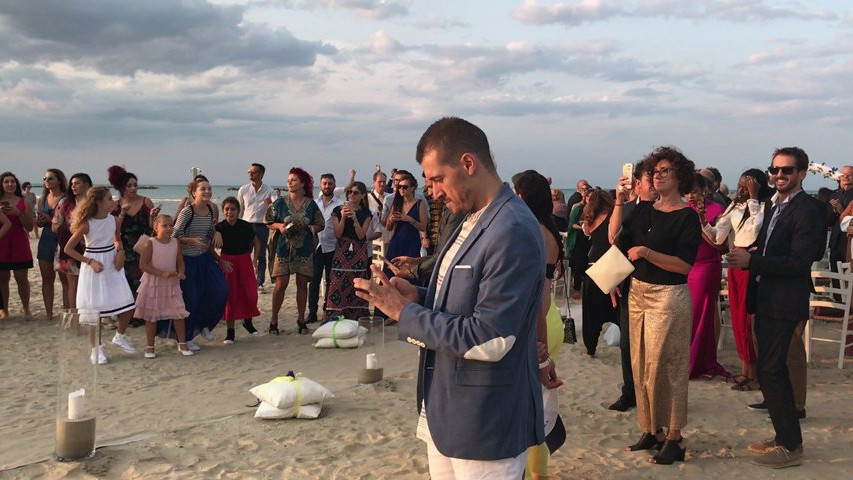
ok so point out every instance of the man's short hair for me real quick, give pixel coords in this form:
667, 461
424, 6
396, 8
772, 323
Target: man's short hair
450, 137
260, 167
26, 185
799, 155
327, 175
718, 177
378, 173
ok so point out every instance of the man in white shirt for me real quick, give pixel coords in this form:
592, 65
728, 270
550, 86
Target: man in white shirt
255, 197
376, 204
325, 251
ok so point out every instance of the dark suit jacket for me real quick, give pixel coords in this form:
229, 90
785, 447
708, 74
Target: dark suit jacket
785, 265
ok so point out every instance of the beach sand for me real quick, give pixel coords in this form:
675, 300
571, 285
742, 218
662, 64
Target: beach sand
176, 417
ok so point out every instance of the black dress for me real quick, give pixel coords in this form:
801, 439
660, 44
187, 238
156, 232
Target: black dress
597, 306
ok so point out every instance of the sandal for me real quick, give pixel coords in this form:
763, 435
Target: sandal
670, 453
749, 385
273, 329
303, 327
738, 379
647, 442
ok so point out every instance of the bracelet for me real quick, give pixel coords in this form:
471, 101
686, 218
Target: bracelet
618, 204
545, 363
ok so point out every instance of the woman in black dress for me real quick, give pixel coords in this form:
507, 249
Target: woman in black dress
598, 308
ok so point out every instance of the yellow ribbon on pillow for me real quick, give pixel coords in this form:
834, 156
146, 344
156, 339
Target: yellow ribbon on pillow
296, 386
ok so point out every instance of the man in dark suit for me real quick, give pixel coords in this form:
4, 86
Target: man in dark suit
479, 393
778, 295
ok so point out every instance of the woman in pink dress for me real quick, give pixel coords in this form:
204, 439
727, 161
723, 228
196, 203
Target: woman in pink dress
704, 283
15, 254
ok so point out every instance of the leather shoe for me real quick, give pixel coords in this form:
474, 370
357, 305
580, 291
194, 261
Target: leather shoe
622, 405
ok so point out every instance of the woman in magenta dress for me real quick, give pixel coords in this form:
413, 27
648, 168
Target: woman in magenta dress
704, 283
15, 254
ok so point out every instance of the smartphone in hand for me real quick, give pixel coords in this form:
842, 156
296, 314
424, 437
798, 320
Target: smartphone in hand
628, 171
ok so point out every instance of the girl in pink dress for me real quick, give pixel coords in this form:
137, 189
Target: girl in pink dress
159, 296
15, 254
704, 283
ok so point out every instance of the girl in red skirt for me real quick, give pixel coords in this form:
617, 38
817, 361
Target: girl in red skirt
238, 241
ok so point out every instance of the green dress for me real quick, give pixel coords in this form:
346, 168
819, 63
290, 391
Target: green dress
293, 251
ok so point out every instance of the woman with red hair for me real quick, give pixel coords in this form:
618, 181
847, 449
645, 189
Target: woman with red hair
295, 220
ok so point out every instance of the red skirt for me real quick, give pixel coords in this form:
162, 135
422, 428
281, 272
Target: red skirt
242, 288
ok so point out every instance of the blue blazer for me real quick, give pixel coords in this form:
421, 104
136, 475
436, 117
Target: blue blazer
478, 374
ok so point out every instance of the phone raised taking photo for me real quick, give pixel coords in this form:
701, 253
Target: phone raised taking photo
628, 171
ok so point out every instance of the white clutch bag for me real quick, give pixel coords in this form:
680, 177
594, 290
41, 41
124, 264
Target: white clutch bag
610, 269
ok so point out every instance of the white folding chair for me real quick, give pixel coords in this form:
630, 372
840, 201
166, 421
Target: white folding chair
828, 296
723, 306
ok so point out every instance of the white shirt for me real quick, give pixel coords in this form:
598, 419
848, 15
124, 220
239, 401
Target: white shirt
253, 203
377, 208
731, 221
327, 237
467, 225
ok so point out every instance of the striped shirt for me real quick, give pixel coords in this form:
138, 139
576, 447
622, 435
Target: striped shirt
202, 227
467, 226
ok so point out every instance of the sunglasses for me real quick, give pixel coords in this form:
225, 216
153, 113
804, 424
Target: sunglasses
48, 179
354, 192
403, 187
786, 170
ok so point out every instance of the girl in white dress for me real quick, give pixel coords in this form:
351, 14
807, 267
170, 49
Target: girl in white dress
102, 286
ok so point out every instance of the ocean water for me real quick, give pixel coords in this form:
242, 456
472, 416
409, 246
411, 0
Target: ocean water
168, 196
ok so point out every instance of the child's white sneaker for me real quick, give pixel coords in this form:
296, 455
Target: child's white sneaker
123, 343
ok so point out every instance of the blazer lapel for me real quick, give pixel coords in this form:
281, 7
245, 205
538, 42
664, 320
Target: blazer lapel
502, 197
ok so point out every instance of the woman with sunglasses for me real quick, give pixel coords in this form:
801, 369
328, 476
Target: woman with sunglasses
55, 188
408, 218
351, 260
662, 240
15, 254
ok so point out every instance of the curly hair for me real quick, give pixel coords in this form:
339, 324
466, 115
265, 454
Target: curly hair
306, 179
684, 167
118, 178
18, 191
88, 207
194, 184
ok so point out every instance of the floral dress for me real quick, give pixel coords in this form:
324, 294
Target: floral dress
133, 227
293, 252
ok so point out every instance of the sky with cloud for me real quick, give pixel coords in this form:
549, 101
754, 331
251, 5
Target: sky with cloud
570, 88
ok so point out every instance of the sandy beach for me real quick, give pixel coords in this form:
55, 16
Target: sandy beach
175, 417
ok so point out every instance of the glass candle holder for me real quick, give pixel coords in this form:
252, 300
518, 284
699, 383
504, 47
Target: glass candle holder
77, 359
372, 349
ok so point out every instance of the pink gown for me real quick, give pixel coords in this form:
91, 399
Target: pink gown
161, 298
704, 283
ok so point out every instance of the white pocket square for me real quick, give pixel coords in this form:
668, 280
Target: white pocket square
463, 267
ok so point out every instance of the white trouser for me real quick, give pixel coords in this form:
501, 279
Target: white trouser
447, 468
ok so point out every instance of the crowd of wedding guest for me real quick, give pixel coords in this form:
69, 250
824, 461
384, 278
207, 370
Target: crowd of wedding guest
182, 275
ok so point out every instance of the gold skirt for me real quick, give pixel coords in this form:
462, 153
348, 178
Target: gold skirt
660, 322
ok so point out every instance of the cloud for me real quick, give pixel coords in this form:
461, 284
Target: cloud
161, 36
439, 23
373, 9
588, 11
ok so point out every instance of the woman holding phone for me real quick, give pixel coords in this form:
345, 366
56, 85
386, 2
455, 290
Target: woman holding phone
137, 214
408, 218
15, 255
351, 222
662, 238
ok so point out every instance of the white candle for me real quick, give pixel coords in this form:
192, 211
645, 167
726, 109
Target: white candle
372, 361
76, 408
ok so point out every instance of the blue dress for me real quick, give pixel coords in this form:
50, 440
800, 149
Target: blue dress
407, 239
47, 243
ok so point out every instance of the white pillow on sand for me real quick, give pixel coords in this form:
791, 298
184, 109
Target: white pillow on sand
282, 393
267, 411
352, 342
340, 328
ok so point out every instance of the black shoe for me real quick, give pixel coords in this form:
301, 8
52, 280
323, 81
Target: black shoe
801, 414
670, 453
229, 337
312, 318
622, 405
273, 329
757, 407
250, 327
647, 442
303, 328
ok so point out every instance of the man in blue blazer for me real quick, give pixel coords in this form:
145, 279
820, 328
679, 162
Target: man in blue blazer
479, 393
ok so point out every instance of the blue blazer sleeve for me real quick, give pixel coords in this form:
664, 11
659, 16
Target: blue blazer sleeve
495, 297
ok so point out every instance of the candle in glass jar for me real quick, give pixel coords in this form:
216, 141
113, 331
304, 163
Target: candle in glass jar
372, 361
76, 408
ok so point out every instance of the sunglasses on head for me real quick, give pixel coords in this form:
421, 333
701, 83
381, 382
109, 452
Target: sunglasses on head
786, 170
46, 179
